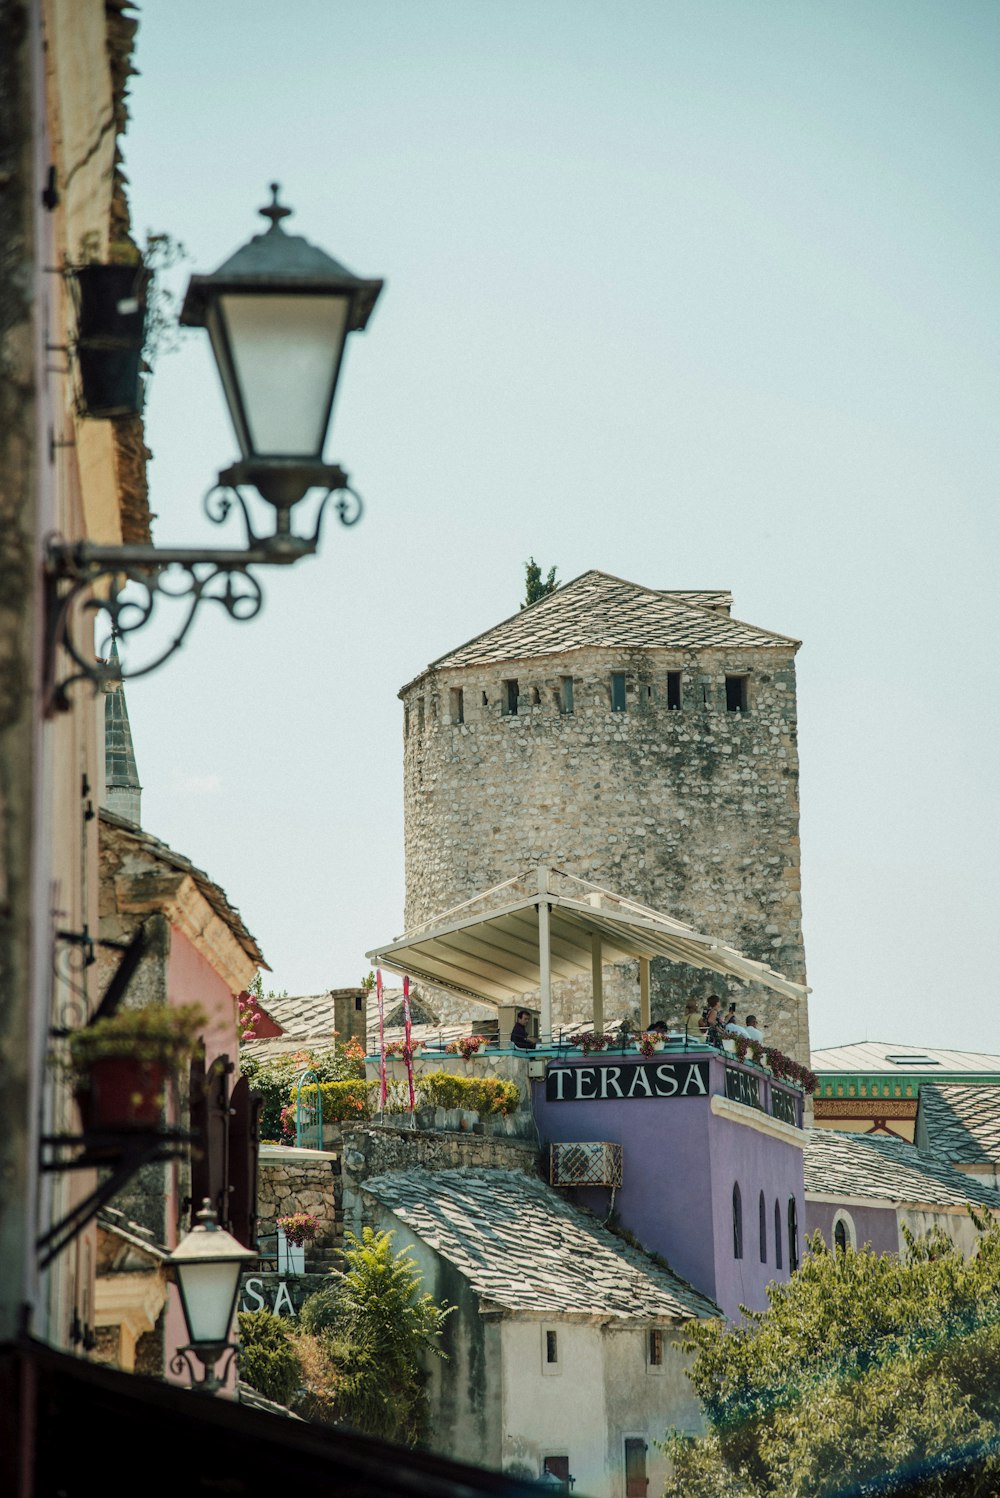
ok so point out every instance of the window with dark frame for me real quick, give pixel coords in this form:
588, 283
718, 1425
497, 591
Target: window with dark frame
673, 690
736, 694
737, 1222
777, 1235
510, 696
762, 1224
566, 694
793, 1235
551, 1347
618, 691
840, 1235
655, 1347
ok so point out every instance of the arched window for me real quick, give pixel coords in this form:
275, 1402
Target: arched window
737, 1222
843, 1231
793, 1235
777, 1235
762, 1227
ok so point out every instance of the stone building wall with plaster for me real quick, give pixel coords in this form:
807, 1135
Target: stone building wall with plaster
632, 767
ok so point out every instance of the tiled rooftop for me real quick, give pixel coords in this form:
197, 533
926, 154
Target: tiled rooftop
961, 1123
885, 1169
212, 892
523, 1247
598, 609
869, 1056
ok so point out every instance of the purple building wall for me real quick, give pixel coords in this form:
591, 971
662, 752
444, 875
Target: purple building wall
874, 1225
680, 1163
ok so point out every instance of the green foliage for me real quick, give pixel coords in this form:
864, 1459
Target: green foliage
276, 1080
482, 1095
535, 588
865, 1373
343, 1102
367, 1343
267, 1359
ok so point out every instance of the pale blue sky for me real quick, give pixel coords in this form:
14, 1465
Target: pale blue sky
702, 294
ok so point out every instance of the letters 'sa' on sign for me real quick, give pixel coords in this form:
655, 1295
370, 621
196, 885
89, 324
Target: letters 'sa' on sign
579, 1084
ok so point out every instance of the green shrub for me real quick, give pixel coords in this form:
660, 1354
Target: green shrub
482, 1095
343, 1102
275, 1080
319, 1311
268, 1361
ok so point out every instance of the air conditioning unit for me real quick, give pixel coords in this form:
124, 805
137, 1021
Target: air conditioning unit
590, 1164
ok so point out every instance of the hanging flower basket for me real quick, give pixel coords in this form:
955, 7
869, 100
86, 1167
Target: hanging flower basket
120, 1066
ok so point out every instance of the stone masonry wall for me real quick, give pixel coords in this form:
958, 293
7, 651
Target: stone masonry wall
694, 811
290, 1181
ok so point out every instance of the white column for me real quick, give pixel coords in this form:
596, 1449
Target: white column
544, 957
643, 993
597, 972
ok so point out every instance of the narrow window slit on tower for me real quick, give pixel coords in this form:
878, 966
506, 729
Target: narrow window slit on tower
618, 691
536, 697
510, 696
457, 704
736, 694
566, 694
655, 1348
673, 689
551, 1347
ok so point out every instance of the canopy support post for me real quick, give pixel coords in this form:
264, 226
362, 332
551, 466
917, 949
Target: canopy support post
643, 993
544, 956
597, 972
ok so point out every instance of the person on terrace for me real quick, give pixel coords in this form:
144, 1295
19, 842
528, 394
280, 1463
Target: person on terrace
519, 1037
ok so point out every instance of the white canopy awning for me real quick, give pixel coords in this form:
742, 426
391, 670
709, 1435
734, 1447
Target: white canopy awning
514, 939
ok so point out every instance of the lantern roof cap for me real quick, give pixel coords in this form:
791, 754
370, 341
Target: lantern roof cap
277, 261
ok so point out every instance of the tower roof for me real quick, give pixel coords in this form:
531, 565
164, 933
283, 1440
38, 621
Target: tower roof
596, 609
122, 791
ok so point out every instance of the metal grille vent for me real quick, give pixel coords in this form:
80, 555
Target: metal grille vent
590, 1164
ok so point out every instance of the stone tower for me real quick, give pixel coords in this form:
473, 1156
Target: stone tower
641, 739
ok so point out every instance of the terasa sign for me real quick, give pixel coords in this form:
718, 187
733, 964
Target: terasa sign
580, 1084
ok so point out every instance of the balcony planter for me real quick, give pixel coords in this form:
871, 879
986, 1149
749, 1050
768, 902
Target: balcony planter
120, 1066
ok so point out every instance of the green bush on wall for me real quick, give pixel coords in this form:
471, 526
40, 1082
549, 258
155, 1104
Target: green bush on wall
343, 1102
482, 1095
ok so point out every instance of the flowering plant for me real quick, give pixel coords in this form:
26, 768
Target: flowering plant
400, 1048
649, 1042
248, 1016
781, 1066
299, 1227
591, 1040
466, 1046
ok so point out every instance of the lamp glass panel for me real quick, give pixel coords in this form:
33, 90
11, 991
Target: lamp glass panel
286, 354
209, 1294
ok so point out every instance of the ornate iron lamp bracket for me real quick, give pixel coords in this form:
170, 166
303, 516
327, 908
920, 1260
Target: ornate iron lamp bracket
127, 582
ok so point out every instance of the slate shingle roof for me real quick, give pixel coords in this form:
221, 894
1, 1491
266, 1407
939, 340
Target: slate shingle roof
888, 1170
961, 1123
522, 1247
598, 609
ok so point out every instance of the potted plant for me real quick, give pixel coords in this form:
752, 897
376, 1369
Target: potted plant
299, 1228
120, 1065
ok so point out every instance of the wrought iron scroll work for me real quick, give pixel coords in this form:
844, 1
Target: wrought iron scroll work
212, 1380
126, 583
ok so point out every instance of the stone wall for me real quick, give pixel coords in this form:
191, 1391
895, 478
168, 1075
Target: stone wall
694, 811
294, 1180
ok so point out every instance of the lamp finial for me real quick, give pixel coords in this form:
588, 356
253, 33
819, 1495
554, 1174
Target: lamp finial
275, 211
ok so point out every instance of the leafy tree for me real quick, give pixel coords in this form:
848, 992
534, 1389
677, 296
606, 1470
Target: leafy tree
267, 1359
367, 1343
865, 1375
276, 1079
535, 587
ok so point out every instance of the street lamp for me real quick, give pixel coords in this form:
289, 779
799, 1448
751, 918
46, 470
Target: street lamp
207, 1264
278, 313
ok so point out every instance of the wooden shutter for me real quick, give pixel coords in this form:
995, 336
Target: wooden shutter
244, 1145
636, 1481
210, 1125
